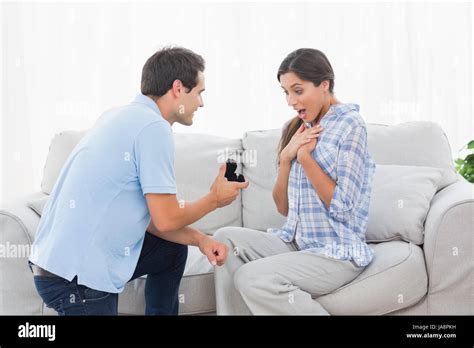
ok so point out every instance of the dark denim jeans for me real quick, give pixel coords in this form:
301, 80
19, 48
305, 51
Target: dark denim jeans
162, 261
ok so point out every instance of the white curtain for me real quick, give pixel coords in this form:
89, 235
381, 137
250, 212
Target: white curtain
62, 64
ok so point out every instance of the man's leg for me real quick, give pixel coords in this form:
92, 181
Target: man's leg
245, 245
163, 262
69, 298
289, 283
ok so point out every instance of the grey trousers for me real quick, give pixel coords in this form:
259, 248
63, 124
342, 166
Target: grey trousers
265, 275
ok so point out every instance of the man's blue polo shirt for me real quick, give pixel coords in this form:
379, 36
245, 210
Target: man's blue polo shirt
94, 223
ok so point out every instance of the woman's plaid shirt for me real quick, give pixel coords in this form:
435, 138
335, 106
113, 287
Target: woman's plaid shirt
342, 153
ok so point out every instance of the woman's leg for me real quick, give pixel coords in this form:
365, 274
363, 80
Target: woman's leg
245, 245
289, 283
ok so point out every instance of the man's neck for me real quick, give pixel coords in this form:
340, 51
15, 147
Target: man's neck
165, 109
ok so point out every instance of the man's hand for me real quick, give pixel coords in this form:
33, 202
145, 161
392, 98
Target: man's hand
225, 192
215, 251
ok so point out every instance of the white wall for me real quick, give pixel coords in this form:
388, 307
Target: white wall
64, 63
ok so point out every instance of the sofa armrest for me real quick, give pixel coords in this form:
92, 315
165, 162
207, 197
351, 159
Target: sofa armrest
26, 217
18, 225
448, 248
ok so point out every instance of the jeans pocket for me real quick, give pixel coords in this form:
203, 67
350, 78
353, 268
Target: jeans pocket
95, 295
98, 302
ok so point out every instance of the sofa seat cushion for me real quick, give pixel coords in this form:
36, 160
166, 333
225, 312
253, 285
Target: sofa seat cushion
196, 292
196, 296
395, 279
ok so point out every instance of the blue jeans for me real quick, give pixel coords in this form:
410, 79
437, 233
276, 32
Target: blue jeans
162, 261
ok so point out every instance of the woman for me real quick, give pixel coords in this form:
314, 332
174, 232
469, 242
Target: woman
323, 187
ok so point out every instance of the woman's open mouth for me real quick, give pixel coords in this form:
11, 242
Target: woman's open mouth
302, 113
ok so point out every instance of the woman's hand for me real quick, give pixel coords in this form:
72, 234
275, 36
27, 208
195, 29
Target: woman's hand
303, 138
306, 149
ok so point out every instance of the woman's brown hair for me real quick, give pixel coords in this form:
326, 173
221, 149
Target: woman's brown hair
308, 64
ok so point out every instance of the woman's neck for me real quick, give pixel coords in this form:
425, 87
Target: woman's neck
325, 109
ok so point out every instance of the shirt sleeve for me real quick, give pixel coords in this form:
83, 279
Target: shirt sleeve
350, 174
154, 159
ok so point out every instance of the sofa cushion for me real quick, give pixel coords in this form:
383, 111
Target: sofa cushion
258, 209
400, 200
196, 296
395, 279
196, 292
419, 143
197, 162
59, 150
38, 204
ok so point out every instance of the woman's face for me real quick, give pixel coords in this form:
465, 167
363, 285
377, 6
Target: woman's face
304, 97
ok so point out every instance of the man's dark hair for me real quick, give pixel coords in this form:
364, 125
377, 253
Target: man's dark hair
167, 65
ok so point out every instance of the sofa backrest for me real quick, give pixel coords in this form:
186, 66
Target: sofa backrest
198, 156
197, 162
418, 143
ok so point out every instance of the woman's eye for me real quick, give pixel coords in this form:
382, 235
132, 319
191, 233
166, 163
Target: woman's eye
285, 92
299, 92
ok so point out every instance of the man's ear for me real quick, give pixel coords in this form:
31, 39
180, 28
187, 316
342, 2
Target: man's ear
177, 88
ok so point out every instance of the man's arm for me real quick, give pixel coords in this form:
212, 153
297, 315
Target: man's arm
186, 236
216, 252
168, 215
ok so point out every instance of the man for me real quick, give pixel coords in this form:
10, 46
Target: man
113, 214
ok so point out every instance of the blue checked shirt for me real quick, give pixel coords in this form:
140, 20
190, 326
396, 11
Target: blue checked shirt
342, 153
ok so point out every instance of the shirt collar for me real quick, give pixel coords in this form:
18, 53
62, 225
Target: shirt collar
143, 99
341, 109
338, 110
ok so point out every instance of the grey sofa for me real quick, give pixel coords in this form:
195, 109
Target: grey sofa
420, 224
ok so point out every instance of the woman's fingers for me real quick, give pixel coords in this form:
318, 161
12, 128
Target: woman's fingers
308, 138
316, 129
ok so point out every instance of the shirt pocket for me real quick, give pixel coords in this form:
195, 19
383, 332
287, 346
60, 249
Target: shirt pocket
325, 155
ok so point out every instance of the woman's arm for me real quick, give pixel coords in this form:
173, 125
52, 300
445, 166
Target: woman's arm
299, 139
280, 190
321, 182
341, 196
